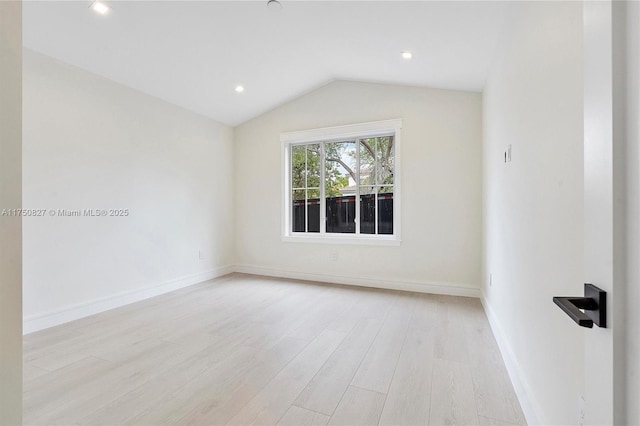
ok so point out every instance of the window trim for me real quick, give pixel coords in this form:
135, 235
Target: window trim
340, 133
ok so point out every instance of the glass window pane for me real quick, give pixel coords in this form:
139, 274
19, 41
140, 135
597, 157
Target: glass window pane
340, 186
299, 211
313, 210
313, 193
313, 165
341, 212
385, 210
367, 210
367, 161
340, 168
298, 166
385, 154
299, 194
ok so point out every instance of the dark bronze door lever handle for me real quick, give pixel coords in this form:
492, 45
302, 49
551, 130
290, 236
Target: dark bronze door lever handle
594, 305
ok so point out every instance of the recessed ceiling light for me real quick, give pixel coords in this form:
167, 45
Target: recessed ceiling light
100, 7
274, 5
239, 89
407, 55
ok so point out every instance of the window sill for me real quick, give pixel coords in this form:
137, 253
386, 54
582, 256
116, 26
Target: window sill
377, 240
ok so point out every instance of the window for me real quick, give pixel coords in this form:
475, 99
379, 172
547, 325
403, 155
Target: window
342, 184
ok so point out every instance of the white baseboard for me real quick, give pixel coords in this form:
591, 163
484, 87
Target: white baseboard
49, 319
41, 321
528, 402
418, 287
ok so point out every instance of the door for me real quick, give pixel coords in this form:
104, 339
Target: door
603, 215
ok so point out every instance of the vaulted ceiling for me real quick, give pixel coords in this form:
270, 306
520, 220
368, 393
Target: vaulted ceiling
194, 53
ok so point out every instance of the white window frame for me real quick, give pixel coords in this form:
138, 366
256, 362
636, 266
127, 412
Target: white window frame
332, 134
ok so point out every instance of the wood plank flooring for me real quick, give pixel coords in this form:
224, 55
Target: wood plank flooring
244, 350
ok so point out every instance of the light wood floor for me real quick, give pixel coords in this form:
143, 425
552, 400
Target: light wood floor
251, 350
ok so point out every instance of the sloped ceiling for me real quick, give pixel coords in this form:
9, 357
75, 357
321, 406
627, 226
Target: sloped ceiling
194, 54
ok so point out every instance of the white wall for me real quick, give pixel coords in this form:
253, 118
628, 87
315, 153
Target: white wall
441, 192
10, 227
90, 143
533, 207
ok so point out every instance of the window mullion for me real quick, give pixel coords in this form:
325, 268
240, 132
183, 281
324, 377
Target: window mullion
323, 196
290, 195
375, 188
357, 200
306, 189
